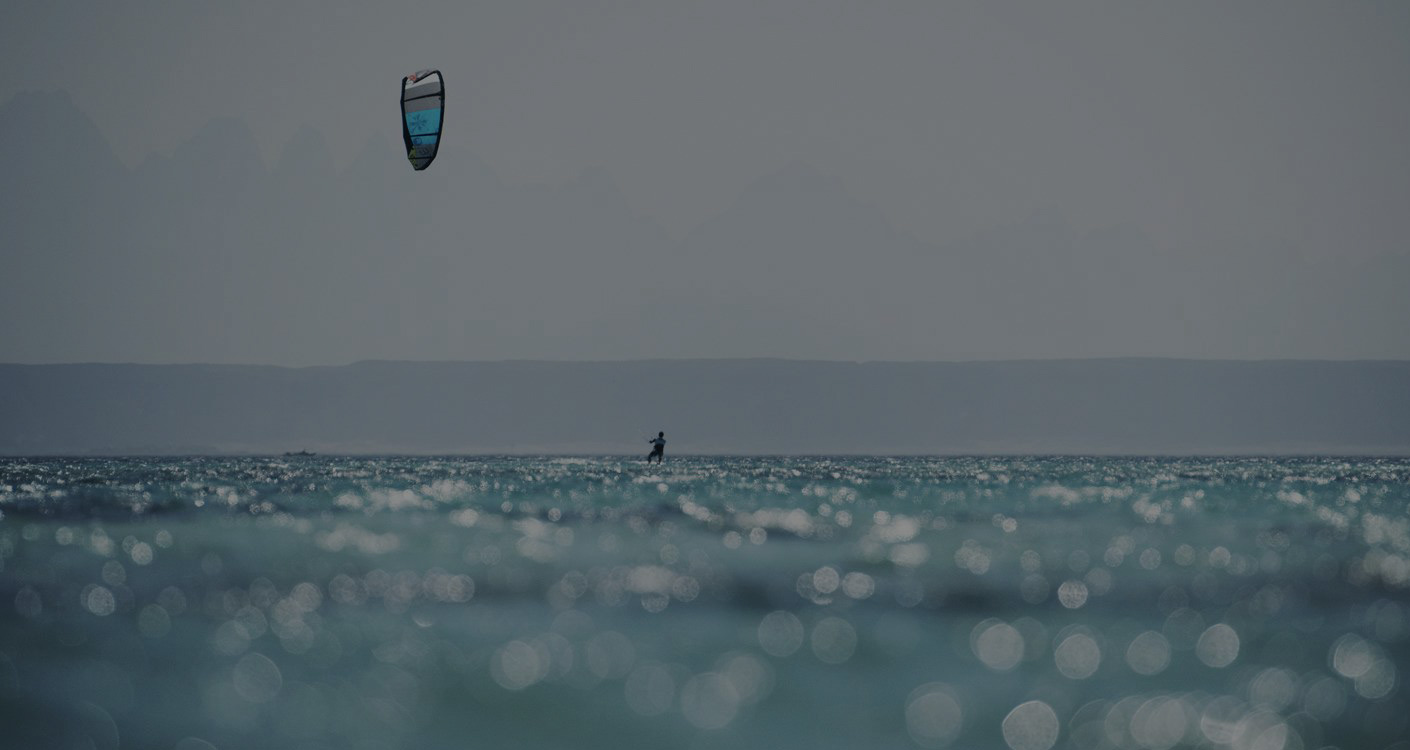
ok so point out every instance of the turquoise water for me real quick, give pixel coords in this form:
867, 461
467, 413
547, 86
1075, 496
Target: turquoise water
1023, 603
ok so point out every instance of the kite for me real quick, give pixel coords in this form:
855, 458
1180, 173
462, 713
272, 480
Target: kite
423, 97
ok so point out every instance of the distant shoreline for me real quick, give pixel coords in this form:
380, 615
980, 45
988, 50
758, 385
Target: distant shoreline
708, 360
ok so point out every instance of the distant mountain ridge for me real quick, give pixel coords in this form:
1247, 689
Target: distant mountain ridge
748, 406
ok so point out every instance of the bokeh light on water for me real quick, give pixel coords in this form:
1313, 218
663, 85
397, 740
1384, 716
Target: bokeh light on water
1022, 603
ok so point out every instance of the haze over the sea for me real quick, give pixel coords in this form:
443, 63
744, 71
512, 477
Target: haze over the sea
712, 406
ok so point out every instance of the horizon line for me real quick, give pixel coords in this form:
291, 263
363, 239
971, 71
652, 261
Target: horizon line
794, 360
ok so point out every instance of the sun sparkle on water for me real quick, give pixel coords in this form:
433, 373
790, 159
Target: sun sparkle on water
1027, 603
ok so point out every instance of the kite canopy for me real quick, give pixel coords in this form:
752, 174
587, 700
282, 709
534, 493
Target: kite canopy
423, 97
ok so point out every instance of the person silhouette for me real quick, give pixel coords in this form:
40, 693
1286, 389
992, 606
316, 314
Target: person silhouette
658, 448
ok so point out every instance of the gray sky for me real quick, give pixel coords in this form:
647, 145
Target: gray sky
1030, 180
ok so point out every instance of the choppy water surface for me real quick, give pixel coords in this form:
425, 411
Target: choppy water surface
1021, 603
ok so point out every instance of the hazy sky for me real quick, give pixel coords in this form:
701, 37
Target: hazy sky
1275, 131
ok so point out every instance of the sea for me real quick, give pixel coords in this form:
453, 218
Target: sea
1027, 603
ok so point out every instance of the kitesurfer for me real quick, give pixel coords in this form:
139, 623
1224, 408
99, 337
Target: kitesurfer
658, 448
